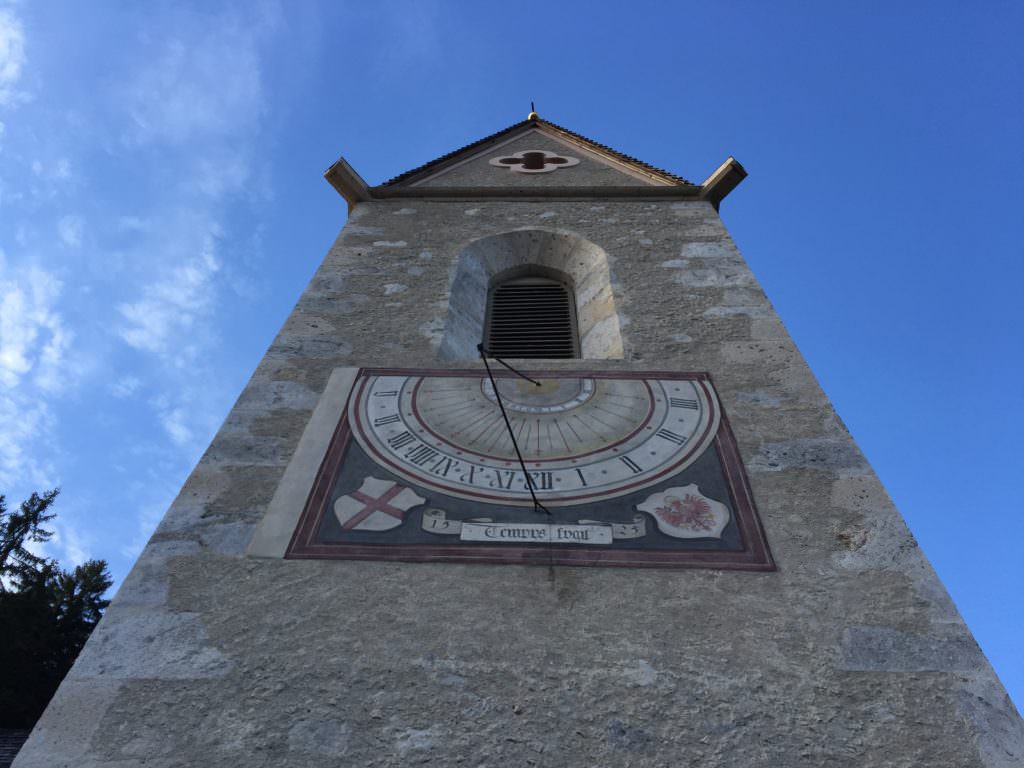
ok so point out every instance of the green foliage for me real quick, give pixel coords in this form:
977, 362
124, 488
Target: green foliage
20, 528
46, 613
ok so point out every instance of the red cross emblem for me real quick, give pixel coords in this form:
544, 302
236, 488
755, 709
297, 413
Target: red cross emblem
377, 506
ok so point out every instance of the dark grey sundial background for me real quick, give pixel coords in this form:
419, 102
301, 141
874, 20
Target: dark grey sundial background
356, 466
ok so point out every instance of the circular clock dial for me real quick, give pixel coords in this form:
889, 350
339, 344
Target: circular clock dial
582, 438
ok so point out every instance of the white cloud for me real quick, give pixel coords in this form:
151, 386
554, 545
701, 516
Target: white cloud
200, 106
54, 372
209, 88
25, 420
184, 127
34, 342
12, 56
53, 178
70, 229
32, 332
174, 422
70, 545
163, 321
126, 386
197, 108
132, 224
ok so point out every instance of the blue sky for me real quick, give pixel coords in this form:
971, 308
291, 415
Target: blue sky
162, 206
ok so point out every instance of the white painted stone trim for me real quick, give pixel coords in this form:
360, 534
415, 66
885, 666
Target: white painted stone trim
278, 524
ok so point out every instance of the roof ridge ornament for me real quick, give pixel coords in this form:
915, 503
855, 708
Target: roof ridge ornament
533, 116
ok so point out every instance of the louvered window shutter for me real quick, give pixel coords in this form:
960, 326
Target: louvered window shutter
531, 317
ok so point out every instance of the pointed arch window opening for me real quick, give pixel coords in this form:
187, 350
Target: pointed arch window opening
532, 316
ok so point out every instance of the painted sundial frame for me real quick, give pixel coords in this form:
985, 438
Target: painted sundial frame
323, 464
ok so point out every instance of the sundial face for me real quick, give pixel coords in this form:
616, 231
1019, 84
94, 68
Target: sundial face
582, 439
636, 469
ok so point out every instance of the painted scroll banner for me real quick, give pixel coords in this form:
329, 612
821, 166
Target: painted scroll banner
536, 533
486, 529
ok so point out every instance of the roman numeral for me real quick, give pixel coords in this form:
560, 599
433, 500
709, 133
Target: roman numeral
503, 479
444, 466
380, 421
682, 402
631, 464
542, 480
403, 438
420, 455
671, 436
389, 393
582, 478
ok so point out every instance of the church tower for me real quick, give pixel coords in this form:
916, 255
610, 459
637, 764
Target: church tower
533, 475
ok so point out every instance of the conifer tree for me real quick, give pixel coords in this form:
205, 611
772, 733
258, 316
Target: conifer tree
46, 613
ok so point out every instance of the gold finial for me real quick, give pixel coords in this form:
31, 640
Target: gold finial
533, 113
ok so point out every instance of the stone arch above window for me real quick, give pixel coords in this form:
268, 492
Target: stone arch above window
486, 262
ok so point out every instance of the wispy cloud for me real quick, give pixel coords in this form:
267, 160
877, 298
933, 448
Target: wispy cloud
32, 332
25, 419
175, 422
143, 180
132, 224
126, 386
70, 229
70, 544
12, 56
171, 306
34, 343
200, 90
197, 102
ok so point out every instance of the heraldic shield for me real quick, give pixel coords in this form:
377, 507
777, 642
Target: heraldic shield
378, 505
686, 513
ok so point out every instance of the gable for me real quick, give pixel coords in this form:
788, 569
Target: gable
592, 170
535, 153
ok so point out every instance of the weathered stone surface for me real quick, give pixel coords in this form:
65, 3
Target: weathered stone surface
155, 645
63, 738
851, 654
881, 649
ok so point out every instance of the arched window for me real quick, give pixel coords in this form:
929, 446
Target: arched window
579, 266
531, 316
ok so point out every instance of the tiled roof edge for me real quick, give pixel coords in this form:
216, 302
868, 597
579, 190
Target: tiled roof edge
619, 155
539, 121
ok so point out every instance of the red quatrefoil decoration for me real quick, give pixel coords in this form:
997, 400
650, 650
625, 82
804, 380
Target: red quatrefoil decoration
534, 161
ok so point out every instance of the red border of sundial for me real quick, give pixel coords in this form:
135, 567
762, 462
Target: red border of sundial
755, 555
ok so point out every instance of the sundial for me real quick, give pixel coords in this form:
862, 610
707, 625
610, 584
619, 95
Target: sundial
621, 468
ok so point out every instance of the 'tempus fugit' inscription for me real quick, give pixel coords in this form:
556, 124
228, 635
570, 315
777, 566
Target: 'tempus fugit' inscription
524, 533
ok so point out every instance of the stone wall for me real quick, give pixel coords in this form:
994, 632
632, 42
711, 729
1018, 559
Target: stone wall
851, 654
